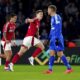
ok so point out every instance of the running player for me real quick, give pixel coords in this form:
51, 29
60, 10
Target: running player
30, 39
8, 35
56, 40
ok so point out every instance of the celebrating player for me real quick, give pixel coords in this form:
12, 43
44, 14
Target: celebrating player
56, 40
8, 35
30, 39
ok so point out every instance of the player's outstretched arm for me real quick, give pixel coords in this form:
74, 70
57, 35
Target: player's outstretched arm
28, 20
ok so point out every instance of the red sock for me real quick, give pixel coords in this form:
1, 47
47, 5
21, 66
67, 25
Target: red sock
15, 58
7, 63
36, 52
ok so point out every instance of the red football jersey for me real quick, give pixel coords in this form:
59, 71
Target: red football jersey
33, 28
9, 28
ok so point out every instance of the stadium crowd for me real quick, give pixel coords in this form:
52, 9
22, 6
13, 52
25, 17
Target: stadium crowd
68, 9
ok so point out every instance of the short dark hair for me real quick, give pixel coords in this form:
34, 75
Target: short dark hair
53, 7
9, 16
12, 15
38, 11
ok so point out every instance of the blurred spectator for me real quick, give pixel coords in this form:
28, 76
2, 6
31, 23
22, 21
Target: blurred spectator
20, 19
44, 37
71, 9
44, 34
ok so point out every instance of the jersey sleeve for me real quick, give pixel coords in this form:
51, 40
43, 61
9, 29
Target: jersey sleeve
52, 21
37, 24
6, 27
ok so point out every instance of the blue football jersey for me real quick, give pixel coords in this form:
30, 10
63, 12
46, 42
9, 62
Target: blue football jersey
56, 26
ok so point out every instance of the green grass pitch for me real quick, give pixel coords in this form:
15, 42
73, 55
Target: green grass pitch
26, 72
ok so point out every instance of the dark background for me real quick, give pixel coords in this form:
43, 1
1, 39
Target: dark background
68, 9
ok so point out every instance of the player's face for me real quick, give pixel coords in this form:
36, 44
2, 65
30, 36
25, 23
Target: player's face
49, 11
40, 15
14, 19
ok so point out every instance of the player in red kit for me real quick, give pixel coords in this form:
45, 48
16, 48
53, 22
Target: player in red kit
8, 35
30, 39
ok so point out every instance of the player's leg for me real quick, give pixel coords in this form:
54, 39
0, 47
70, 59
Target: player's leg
51, 61
52, 49
65, 61
39, 49
17, 57
8, 54
22, 50
61, 54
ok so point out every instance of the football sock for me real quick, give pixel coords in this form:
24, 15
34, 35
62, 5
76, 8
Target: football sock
15, 58
66, 63
36, 52
51, 62
7, 63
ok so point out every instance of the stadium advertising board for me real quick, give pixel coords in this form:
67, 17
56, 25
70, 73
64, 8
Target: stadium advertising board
72, 54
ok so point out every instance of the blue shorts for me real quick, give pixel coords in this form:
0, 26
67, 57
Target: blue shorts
57, 43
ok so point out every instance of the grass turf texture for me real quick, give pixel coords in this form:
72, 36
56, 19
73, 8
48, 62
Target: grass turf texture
25, 72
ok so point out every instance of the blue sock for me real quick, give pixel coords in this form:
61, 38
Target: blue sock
51, 62
66, 63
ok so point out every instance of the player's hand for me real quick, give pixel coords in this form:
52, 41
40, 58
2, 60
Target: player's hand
26, 21
7, 41
38, 36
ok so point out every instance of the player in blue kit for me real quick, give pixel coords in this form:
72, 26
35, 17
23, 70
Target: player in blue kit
56, 40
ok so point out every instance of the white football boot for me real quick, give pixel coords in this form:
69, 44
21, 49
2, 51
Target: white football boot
31, 60
11, 67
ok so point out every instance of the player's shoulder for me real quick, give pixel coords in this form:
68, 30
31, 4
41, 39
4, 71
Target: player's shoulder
7, 23
36, 20
57, 15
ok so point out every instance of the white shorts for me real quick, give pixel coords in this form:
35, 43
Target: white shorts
5, 46
30, 41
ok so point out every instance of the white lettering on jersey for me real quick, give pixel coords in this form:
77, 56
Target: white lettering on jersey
56, 20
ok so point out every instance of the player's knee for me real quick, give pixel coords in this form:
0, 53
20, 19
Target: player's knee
52, 53
10, 54
41, 46
22, 51
60, 54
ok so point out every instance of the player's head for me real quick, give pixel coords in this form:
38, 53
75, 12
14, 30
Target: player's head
13, 17
52, 10
39, 14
